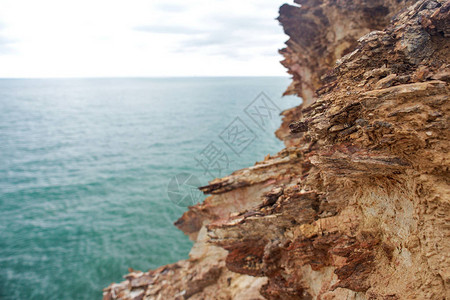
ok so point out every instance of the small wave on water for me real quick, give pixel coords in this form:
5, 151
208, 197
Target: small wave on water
84, 170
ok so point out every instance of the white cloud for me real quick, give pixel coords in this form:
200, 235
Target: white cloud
91, 38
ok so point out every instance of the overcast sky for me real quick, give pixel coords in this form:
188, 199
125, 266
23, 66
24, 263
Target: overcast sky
96, 38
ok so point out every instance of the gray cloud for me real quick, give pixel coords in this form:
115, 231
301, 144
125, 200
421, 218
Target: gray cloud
170, 7
227, 35
228, 38
243, 22
243, 53
168, 29
238, 49
5, 47
5, 43
234, 36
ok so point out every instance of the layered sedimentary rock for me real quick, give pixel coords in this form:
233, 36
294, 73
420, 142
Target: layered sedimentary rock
358, 204
320, 32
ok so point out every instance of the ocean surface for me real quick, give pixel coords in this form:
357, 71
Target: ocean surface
91, 171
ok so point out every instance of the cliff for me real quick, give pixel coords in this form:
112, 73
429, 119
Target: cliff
357, 206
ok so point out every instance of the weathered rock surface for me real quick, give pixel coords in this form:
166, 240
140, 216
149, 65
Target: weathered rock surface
323, 31
358, 204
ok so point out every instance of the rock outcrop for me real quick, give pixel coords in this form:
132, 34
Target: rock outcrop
358, 204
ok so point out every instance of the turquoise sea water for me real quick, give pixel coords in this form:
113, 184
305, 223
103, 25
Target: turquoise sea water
85, 165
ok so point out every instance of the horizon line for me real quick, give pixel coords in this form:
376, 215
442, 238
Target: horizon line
146, 77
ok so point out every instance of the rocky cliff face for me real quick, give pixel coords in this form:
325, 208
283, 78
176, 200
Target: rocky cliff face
358, 204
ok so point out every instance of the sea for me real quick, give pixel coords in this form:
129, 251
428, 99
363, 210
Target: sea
94, 172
